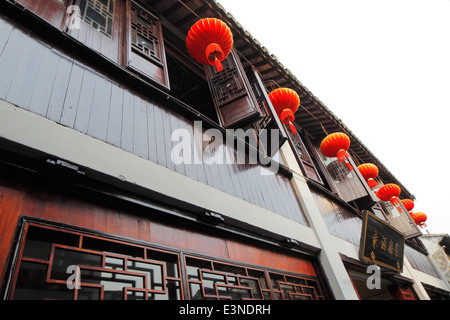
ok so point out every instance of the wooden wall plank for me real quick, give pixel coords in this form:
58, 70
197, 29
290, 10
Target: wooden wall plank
127, 121
175, 125
191, 169
152, 147
115, 116
237, 170
140, 135
166, 131
22, 84
99, 115
44, 83
8, 60
85, 102
159, 134
72, 96
63, 75
223, 171
5, 32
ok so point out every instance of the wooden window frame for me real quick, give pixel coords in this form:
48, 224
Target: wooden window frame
302, 285
386, 208
103, 255
78, 2
304, 158
365, 202
239, 97
270, 119
140, 63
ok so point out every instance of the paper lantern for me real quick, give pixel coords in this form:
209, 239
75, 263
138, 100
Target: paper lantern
408, 204
286, 102
335, 145
209, 42
369, 171
389, 192
419, 218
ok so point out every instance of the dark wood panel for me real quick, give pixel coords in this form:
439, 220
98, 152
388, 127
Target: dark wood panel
251, 254
50, 10
11, 201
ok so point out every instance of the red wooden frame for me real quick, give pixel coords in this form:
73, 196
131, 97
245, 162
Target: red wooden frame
259, 282
104, 255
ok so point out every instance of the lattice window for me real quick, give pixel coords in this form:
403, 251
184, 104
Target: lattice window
55, 263
227, 84
99, 14
306, 162
213, 280
70, 265
144, 33
287, 287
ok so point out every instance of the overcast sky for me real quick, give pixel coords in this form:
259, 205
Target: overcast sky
383, 68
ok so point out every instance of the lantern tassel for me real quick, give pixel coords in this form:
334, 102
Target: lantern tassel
349, 166
213, 52
218, 65
287, 116
291, 125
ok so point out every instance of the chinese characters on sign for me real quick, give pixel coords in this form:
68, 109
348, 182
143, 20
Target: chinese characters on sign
381, 243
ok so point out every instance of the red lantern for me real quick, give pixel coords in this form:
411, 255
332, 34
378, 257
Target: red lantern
369, 172
209, 41
408, 204
419, 218
390, 192
335, 145
286, 102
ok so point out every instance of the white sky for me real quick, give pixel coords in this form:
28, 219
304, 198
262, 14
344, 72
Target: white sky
383, 68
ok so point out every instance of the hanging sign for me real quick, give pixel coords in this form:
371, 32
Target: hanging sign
381, 243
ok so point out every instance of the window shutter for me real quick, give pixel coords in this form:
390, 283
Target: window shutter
400, 220
145, 50
303, 157
348, 184
269, 120
233, 97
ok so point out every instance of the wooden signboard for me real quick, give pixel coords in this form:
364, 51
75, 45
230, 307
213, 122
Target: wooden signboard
381, 243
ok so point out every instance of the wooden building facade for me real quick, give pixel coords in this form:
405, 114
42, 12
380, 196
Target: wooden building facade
93, 205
